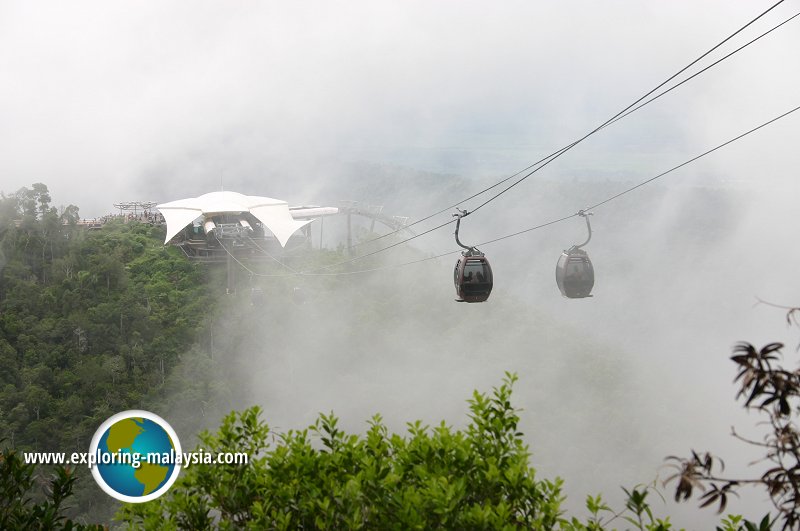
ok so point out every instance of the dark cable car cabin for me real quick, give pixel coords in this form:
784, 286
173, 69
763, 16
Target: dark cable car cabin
574, 270
473, 274
473, 278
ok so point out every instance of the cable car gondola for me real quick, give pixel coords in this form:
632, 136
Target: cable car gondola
473, 273
574, 271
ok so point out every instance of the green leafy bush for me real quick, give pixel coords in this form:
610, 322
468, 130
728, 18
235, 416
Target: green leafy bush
323, 478
19, 508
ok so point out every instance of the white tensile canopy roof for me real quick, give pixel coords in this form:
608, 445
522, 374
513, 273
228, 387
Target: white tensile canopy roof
273, 213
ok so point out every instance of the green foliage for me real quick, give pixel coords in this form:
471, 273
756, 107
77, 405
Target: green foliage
637, 513
737, 523
103, 319
17, 508
324, 478
91, 323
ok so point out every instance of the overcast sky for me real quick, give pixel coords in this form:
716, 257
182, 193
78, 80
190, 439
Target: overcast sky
102, 100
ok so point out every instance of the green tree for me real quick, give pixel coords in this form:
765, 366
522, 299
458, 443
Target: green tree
91, 323
70, 215
19, 509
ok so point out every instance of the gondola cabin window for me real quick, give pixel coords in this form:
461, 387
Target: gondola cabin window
476, 272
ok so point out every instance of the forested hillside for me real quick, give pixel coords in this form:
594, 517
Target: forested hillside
91, 322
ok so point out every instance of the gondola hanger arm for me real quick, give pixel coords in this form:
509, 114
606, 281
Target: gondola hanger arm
461, 214
585, 215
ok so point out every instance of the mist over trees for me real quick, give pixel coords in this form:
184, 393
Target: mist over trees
95, 322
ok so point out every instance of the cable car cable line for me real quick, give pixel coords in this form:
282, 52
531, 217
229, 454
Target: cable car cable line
253, 242
704, 69
624, 192
623, 113
360, 257
601, 203
643, 183
594, 206
252, 273
546, 160
296, 273
542, 225
629, 109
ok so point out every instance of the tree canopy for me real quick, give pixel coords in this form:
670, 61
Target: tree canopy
91, 321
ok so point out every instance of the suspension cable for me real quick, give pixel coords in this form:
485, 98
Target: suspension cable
621, 114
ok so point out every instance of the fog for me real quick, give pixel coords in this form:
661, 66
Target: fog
414, 106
